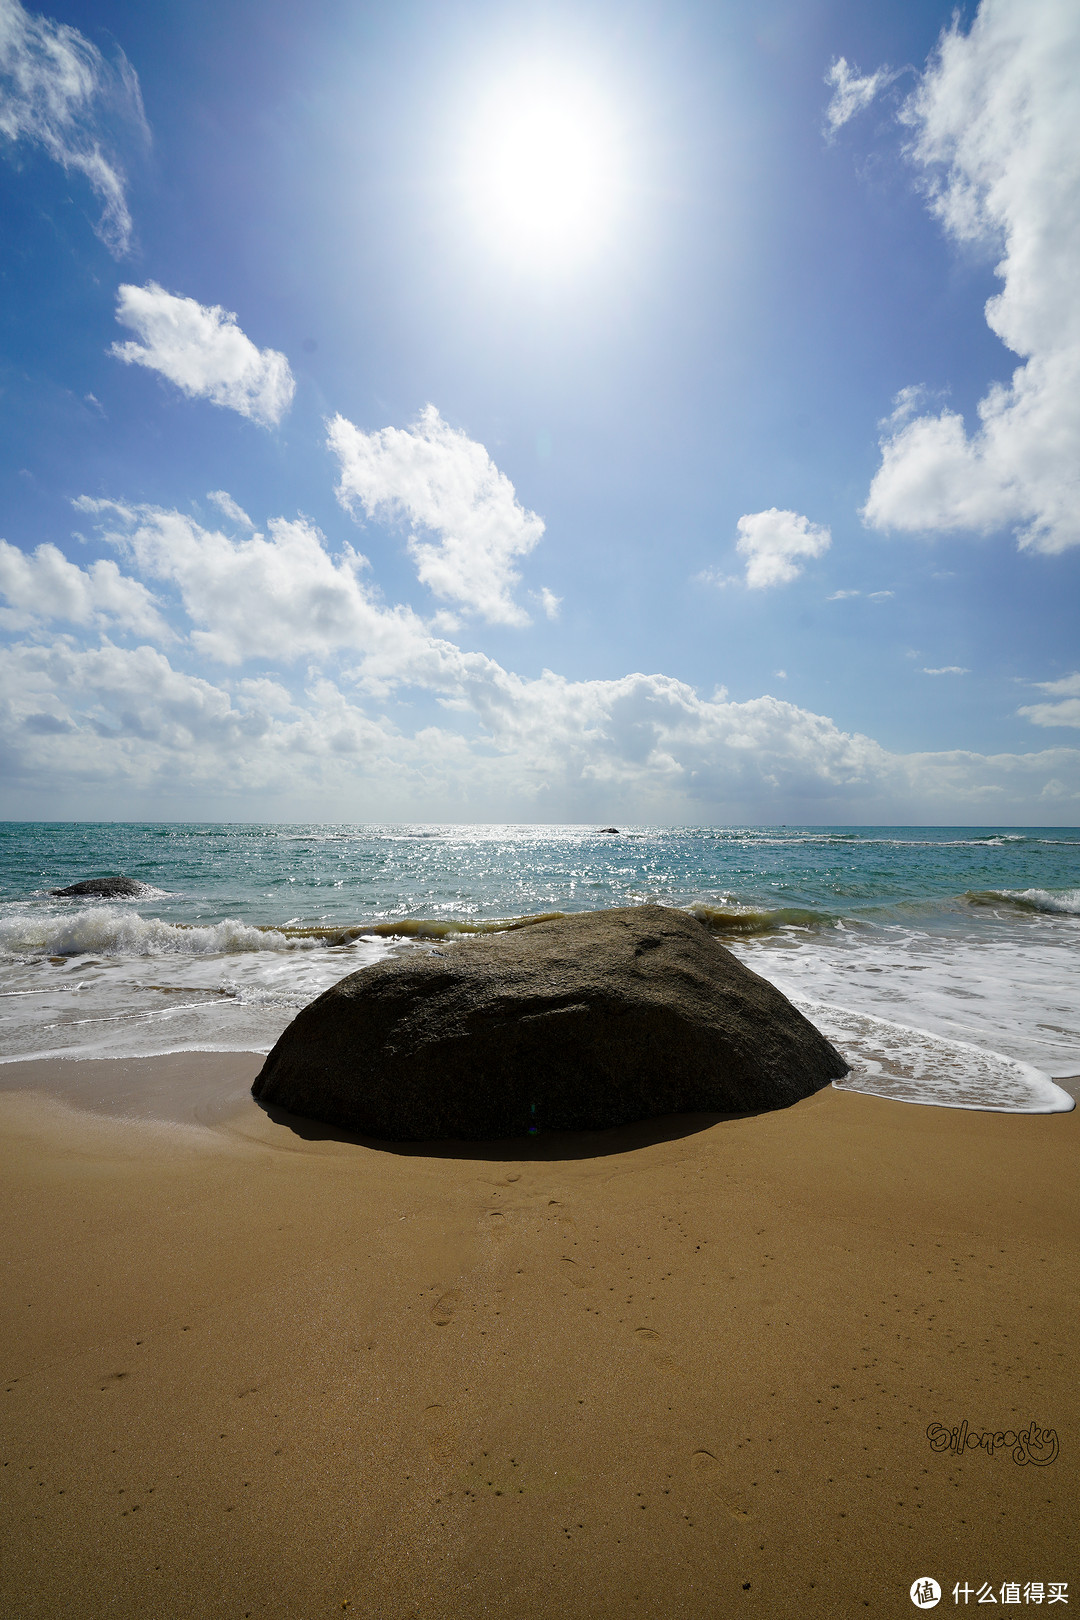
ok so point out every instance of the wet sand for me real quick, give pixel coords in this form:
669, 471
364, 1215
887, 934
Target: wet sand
685, 1369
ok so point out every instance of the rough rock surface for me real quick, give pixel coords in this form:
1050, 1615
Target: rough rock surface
581, 1023
107, 888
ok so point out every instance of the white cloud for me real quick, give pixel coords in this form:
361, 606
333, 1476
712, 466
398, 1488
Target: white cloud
1065, 712
274, 697
446, 485
229, 508
105, 720
996, 121
86, 723
880, 596
203, 351
843, 596
1068, 686
773, 542
58, 92
948, 669
550, 602
851, 92
42, 585
279, 596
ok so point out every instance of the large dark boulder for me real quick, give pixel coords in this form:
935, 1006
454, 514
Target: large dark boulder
575, 1024
106, 888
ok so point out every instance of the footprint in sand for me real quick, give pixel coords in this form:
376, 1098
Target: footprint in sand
653, 1341
571, 1272
443, 1309
705, 1470
439, 1429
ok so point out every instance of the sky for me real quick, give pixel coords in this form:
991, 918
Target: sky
641, 412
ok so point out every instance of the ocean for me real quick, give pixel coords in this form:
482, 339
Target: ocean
942, 961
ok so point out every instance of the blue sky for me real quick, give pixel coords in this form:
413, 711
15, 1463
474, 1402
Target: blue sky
603, 406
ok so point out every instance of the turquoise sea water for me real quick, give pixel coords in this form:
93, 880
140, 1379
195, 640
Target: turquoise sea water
941, 960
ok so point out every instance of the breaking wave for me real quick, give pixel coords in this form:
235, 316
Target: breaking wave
109, 931
737, 919
414, 928
115, 929
1048, 902
720, 919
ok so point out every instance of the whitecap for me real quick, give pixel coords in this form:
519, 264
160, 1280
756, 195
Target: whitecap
1061, 902
111, 931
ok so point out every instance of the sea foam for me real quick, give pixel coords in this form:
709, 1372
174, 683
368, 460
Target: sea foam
1052, 903
111, 931
915, 1066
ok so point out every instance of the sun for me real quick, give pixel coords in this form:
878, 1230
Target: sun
542, 171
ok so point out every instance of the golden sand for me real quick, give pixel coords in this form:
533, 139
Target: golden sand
684, 1369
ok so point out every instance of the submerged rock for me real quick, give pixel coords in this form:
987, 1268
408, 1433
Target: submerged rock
107, 888
580, 1023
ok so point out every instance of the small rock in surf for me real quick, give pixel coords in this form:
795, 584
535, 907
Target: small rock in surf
107, 888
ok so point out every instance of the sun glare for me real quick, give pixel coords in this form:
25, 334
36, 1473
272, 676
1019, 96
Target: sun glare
543, 172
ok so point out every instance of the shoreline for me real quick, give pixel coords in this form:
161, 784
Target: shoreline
688, 1370
205, 1086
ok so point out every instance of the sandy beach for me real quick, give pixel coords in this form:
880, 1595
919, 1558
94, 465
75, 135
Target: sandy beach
253, 1369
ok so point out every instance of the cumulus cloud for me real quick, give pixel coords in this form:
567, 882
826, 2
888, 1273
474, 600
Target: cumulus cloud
851, 92
996, 131
281, 597
549, 740
43, 586
774, 543
280, 594
58, 92
948, 669
1065, 712
297, 730
445, 486
548, 748
203, 351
